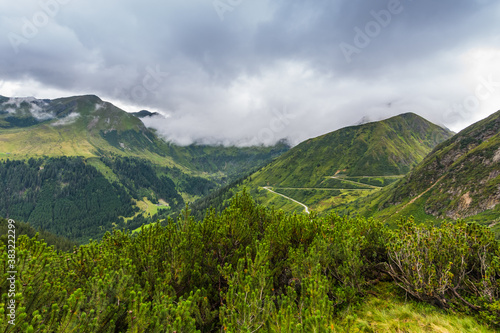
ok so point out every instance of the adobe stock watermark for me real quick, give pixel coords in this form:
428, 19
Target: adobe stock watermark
150, 83
487, 87
372, 29
224, 6
270, 134
11, 272
31, 26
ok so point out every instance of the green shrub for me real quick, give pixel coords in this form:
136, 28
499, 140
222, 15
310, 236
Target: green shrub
454, 265
246, 269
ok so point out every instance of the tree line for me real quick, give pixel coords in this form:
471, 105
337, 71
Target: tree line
67, 196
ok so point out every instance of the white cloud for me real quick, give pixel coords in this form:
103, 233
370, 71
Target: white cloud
36, 107
68, 120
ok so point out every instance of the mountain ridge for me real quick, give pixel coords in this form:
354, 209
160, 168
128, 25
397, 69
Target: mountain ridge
460, 178
333, 169
90, 127
383, 148
78, 166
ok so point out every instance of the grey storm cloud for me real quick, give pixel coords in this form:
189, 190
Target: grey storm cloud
253, 72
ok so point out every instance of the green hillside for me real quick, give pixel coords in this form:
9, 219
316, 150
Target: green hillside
343, 166
383, 148
76, 126
460, 178
245, 266
79, 166
87, 126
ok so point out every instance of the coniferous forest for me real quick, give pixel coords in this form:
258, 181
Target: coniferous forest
69, 196
61, 195
250, 269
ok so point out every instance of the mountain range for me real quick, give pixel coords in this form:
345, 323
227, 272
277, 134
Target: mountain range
459, 179
80, 166
383, 148
347, 164
390, 169
89, 127
331, 247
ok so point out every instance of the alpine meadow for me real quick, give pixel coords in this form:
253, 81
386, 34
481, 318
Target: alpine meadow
249, 166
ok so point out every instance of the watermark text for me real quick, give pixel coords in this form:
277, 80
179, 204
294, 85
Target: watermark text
32, 26
11, 271
222, 7
372, 29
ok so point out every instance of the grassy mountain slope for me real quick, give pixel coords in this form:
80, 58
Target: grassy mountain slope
342, 166
79, 166
87, 126
460, 178
75, 126
388, 147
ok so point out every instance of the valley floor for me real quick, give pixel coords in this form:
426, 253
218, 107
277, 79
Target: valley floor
341, 190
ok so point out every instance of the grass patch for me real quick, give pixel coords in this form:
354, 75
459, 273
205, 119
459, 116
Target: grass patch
380, 181
387, 310
189, 198
147, 208
103, 169
144, 226
345, 197
308, 196
342, 184
4, 156
322, 200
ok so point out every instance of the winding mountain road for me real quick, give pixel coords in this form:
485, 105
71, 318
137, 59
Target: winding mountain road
365, 187
353, 182
306, 209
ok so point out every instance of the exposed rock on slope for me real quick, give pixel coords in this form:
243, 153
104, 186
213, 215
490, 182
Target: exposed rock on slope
464, 172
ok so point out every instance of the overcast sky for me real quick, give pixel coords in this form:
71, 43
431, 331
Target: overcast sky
256, 71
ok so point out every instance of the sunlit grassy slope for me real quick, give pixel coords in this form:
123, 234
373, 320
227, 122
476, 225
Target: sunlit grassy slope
79, 126
383, 148
89, 127
350, 163
388, 310
460, 178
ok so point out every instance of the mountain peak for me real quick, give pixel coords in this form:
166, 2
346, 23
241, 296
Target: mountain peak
87, 98
364, 120
408, 116
388, 147
472, 157
77, 125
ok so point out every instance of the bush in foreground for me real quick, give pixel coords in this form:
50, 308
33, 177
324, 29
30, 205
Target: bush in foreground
246, 269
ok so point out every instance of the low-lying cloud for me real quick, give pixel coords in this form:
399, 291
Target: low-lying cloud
68, 120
